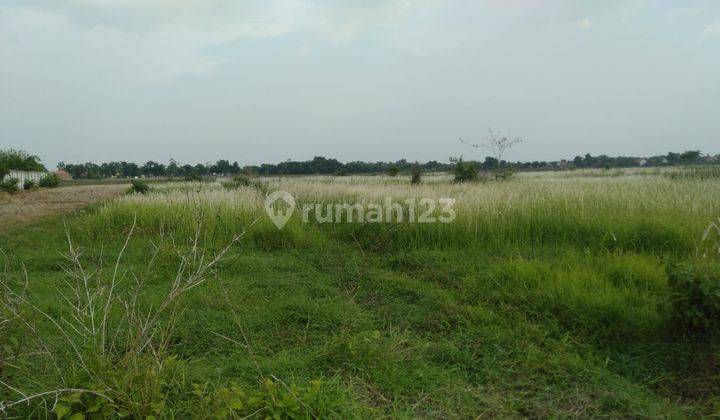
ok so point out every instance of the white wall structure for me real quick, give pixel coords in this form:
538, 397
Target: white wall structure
23, 176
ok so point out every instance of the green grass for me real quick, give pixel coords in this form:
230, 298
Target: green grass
544, 309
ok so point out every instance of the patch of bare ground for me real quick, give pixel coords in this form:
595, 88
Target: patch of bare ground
27, 206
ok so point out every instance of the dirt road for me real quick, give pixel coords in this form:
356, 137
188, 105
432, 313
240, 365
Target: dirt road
27, 206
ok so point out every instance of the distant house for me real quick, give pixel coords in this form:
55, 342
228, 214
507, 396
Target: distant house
23, 176
642, 162
63, 175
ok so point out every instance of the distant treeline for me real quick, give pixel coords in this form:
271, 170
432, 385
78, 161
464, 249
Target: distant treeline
322, 165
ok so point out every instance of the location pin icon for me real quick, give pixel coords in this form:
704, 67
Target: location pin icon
280, 206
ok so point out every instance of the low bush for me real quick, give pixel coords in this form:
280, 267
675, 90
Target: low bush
243, 181
464, 171
238, 181
695, 301
139, 186
9, 185
416, 175
50, 181
29, 184
273, 399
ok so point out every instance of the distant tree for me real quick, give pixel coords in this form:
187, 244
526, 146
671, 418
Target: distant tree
497, 145
151, 168
673, 158
490, 163
222, 166
172, 168
18, 160
129, 170
416, 172
690, 156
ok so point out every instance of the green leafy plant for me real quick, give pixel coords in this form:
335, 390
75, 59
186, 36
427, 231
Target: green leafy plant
50, 181
9, 185
29, 184
83, 405
139, 186
18, 160
464, 171
273, 399
695, 301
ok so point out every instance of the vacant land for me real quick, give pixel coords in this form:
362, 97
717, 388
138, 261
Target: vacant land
27, 206
110, 181
551, 294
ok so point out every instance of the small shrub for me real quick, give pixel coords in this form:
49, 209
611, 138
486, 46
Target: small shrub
29, 185
238, 181
139, 186
393, 171
695, 301
272, 400
83, 405
416, 175
50, 181
244, 181
9, 185
464, 172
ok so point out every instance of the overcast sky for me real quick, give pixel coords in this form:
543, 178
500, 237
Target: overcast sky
265, 80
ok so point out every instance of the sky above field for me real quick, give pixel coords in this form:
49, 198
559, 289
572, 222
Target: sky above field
266, 80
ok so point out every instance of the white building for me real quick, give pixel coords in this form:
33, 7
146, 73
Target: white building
23, 176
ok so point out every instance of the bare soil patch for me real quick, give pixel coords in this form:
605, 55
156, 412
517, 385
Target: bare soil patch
28, 206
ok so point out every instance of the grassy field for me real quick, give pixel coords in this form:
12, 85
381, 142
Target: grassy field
551, 294
109, 181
